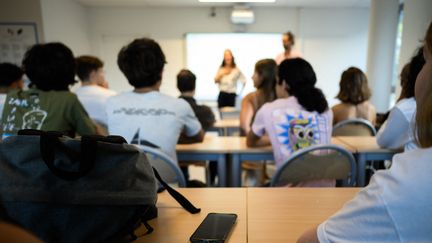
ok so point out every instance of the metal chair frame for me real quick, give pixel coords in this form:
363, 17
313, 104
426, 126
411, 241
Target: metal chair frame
351, 177
180, 179
361, 121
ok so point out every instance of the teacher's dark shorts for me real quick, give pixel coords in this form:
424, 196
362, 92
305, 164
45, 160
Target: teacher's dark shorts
226, 99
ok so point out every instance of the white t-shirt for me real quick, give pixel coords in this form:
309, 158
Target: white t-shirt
94, 100
228, 82
395, 207
153, 117
397, 130
293, 54
290, 127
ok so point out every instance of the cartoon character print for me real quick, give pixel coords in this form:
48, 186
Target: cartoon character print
298, 132
34, 118
301, 133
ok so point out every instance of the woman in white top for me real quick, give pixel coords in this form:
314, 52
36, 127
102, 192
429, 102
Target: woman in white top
227, 78
402, 115
396, 206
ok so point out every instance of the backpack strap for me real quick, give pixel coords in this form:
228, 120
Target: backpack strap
186, 204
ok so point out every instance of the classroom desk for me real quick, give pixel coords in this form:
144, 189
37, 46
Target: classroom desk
233, 149
264, 214
283, 214
174, 224
226, 127
213, 148
366, 149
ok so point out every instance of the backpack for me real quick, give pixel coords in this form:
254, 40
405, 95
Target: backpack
92, 189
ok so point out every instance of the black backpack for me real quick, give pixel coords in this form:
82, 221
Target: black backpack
93, 189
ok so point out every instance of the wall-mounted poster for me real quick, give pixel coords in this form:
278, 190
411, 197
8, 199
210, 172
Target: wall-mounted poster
15, 39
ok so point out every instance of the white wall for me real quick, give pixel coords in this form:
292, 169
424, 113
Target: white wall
22, 11
331, 39
66, 21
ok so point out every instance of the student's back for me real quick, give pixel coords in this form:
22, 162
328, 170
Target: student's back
345, 111
354, 94
151, 117
47, 105
91, 94
144, 114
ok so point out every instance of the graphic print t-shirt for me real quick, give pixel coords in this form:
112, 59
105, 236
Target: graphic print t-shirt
151, 117
45, 110
290, 127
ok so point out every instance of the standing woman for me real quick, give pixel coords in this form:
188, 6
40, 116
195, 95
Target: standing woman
227, 77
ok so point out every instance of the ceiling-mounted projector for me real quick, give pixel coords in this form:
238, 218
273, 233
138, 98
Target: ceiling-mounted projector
242, 15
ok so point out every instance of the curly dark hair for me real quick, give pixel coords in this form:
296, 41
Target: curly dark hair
85, 65
300, 77
50, 66
9, 73
142, 62
353, 87
409, 74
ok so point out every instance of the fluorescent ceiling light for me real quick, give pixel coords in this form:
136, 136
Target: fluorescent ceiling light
237, 1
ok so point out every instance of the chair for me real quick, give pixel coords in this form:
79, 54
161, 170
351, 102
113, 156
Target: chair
165, 165
317, 162
354, 127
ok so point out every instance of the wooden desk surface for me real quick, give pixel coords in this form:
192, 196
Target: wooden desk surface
227, 123
174, 224
283, 214
361, 144
224, 144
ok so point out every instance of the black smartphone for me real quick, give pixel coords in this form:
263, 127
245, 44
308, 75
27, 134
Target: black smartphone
214, 228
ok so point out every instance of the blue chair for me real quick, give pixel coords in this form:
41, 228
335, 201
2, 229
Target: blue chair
317, 162
165, 165
354, 127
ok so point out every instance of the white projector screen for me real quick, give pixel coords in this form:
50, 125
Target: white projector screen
204, 55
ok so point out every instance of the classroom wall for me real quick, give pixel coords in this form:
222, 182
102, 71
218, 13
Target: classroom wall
23, 11
66, 21
331, 39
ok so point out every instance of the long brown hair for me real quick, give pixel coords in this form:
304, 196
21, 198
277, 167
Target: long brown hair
354, 87
424, 112
267, 70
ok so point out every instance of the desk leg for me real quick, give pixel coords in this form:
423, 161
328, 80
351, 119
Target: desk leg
361, 169
236, 170
221, 168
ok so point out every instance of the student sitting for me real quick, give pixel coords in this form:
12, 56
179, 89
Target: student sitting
11, 77
144, 114
48, 105
93, 97
264, 79
401, 117
354, 93
186, 85
396, 205
298, 118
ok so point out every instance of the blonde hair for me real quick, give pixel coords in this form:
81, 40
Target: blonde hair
424, 112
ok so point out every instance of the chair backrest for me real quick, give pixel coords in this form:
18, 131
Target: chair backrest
229, 112
317, 162
165, 165
354, 127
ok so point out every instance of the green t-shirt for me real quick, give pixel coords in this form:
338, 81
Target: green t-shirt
45, 110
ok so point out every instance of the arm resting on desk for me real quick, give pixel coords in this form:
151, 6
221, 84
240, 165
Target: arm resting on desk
309, 236
198, 138
253, 140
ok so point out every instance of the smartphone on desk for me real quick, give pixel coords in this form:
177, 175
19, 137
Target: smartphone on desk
215, 228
